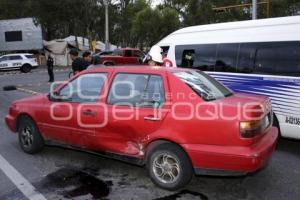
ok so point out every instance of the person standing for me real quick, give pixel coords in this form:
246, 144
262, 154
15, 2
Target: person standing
78, 64
50, 63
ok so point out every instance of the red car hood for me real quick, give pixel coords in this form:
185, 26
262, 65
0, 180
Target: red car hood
32, 99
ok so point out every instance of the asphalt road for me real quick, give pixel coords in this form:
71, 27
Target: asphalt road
59, 173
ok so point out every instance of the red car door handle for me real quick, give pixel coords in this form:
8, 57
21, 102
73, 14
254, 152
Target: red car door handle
89, 113
151, 118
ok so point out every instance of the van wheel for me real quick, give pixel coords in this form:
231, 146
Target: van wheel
169, 167
30, 139
26, 68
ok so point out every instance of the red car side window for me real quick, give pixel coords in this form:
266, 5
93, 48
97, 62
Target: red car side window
137, 90
85, 88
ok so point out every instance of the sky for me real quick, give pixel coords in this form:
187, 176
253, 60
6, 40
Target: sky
155, 2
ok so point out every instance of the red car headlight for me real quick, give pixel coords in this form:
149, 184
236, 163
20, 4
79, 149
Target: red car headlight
12, 110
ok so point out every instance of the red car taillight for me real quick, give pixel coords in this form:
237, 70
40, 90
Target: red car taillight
250, 129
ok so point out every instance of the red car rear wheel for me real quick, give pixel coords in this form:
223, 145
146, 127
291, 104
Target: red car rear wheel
169, 166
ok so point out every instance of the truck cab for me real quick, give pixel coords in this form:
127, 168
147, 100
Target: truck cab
123, 56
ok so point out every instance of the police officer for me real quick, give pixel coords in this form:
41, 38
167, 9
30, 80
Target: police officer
50, 63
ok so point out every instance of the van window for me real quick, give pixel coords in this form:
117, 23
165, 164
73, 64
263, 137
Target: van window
188, 58
201, 57
165, 49
206, 57
280, 58
246, 57
226, 58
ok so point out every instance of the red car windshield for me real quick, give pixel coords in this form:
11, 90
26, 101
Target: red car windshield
205, 86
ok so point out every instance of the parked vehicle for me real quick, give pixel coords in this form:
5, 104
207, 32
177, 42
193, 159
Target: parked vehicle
103, 53
159, 117
123, 56
256, 57
24, 62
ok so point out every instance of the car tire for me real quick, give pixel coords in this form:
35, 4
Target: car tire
169, 166
30, 139
26, 68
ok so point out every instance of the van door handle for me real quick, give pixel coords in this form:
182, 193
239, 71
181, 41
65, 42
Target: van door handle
89, 113
149, 118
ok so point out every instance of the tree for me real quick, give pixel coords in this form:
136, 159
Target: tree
145, 26
133, 22
169, 22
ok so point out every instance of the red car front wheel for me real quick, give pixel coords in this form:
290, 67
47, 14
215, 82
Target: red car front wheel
30, 139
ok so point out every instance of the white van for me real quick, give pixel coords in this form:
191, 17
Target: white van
257, 57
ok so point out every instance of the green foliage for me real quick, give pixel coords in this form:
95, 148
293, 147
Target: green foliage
134, 22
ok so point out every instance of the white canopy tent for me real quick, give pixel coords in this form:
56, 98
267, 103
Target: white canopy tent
59, 48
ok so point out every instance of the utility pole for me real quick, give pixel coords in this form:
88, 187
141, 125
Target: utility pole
254, 9
107, 46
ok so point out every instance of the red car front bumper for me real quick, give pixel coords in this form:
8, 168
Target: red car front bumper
232, 160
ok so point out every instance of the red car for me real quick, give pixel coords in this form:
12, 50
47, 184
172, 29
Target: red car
177, 122
123, 56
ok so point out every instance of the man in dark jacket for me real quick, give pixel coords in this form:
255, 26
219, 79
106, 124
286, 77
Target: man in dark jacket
78, 63
50, 63
93, 60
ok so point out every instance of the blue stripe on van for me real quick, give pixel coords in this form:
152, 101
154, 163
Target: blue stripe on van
283, 92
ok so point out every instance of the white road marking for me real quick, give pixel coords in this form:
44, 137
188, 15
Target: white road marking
28, 91
21, 183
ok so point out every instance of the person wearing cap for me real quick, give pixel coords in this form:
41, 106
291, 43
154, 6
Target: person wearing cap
155, 57
158, 58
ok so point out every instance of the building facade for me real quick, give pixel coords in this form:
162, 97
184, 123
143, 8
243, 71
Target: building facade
20, 35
